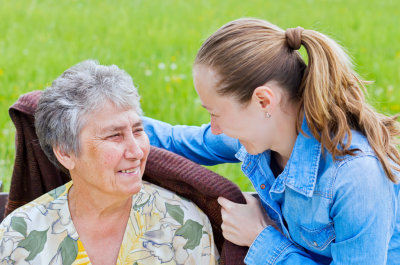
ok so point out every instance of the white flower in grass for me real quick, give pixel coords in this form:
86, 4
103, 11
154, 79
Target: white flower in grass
161, 66
148, 72
378, 91
173, 66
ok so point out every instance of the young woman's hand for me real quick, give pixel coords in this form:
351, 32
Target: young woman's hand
241, 223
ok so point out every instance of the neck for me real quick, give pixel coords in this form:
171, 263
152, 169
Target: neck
283, 153
288, 132
85, 203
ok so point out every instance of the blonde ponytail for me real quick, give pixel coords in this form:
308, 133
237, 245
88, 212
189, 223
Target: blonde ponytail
334, 103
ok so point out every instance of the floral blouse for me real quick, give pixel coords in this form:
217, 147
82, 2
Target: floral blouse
163, 228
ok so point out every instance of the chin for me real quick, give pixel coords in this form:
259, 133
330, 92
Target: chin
133, 188
252, 150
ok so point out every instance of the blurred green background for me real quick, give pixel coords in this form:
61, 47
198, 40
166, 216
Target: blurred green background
156, 42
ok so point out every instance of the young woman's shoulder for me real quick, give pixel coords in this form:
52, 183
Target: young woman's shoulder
362, 172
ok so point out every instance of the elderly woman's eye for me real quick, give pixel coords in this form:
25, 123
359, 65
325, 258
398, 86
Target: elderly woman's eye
114, 135
138, 131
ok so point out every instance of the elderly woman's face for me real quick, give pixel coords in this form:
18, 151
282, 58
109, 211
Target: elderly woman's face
114, 149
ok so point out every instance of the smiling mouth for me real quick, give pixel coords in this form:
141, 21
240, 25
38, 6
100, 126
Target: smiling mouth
132, 170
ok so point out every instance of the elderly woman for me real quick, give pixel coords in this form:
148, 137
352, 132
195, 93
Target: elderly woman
88, 124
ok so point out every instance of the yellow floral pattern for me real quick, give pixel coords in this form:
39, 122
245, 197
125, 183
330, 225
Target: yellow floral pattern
163, 228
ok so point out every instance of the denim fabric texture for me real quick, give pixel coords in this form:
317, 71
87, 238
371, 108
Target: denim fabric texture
342, 211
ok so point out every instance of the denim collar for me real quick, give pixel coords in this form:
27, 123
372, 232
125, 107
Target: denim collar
300, 173
242, 153
302, 168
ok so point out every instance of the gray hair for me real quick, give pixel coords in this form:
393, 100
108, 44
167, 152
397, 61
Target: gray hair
63, 108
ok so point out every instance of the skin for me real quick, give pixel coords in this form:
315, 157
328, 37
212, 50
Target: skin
112, 142
248, 123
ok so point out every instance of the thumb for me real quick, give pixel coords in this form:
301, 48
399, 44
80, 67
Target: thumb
225, 203
250, 199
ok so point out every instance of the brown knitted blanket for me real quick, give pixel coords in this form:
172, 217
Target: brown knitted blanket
34, 175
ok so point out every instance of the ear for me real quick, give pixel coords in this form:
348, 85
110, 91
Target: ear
264, 96
65, 159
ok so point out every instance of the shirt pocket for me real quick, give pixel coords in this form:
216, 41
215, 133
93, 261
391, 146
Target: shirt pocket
318, 238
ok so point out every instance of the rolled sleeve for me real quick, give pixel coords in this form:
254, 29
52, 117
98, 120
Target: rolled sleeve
271, 247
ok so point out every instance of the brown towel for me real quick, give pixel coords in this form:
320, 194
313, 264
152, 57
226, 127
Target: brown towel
34, 175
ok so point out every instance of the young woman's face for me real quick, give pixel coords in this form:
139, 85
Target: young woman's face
243, 122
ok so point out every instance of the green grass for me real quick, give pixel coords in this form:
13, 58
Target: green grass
40, 39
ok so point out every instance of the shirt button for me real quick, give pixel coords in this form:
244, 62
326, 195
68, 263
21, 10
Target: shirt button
262, 186
315, 244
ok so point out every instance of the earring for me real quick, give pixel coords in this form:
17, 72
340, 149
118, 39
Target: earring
267, 115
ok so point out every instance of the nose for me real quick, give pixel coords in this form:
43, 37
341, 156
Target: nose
133, 149
215, 129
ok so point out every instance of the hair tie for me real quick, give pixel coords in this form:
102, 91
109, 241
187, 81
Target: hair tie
293, 37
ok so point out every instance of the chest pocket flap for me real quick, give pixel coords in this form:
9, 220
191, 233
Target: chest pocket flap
318, 238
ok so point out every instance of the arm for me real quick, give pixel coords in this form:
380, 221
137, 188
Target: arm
195, 143
363, 212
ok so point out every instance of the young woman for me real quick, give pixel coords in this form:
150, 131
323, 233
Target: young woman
323, 162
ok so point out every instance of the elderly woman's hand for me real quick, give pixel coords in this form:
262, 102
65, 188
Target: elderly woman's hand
241, 223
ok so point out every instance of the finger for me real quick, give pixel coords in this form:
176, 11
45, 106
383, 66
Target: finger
226, 229
224, 215
225, 203
250, 198
226, 235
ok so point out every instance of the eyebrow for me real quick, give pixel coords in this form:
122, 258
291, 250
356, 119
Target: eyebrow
115, 128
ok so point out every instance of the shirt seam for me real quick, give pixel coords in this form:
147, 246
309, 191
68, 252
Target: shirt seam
342, 163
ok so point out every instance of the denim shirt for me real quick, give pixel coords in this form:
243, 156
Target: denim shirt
329, 211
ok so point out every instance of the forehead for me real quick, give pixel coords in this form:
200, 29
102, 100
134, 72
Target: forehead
206, 82
110, 117
205, 76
